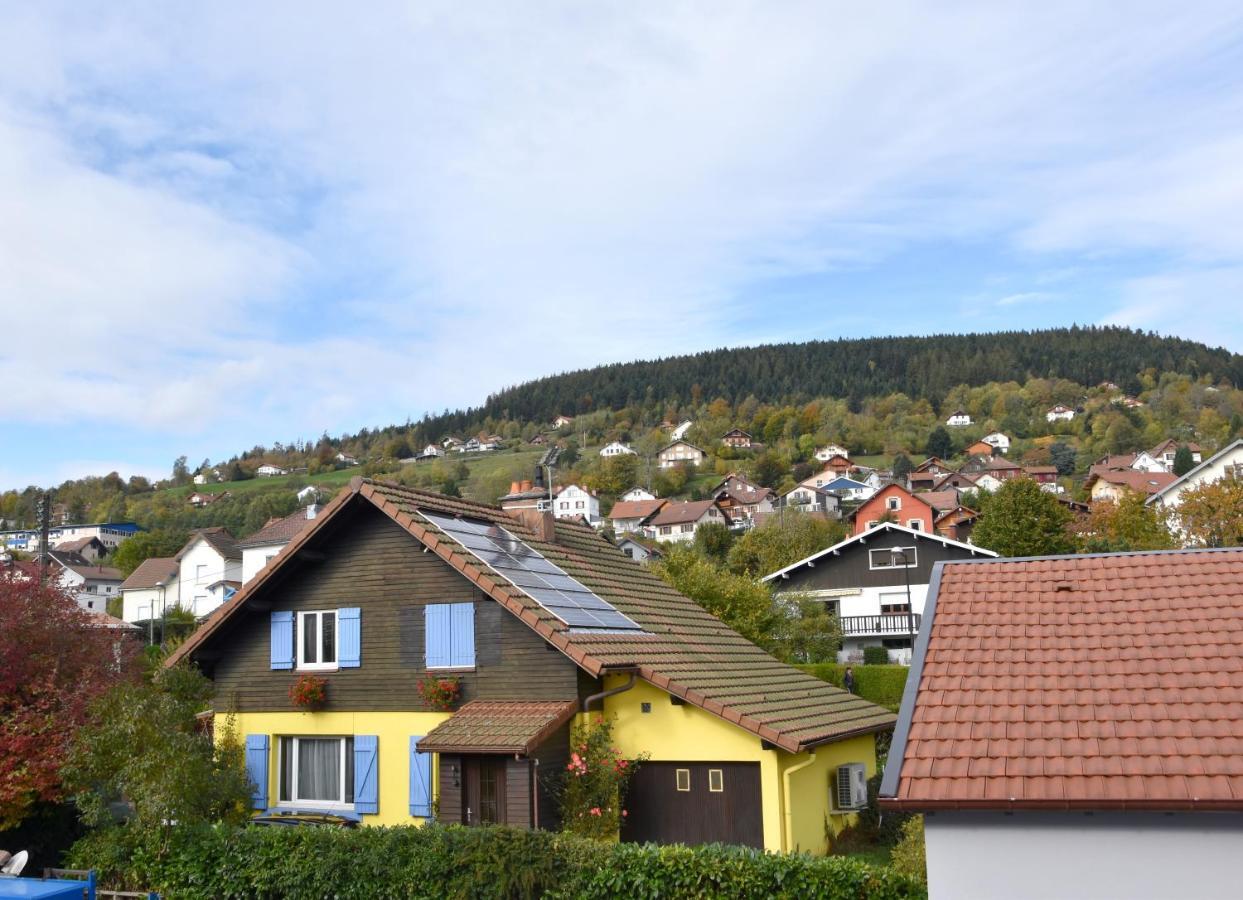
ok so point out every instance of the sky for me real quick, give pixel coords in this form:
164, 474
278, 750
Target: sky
224, 224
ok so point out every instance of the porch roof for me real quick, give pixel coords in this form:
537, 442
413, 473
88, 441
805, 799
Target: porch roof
499, 726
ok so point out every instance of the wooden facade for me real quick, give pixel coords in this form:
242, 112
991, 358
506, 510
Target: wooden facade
852, 568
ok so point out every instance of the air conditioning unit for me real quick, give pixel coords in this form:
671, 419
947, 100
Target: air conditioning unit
852, 787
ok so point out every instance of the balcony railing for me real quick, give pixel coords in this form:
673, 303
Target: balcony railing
894, 623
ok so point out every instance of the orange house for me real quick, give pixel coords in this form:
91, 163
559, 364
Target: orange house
902, 507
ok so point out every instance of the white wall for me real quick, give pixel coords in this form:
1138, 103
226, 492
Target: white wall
574, 501
255, 558
1212, 472
1035, 856
140, 605
192, 592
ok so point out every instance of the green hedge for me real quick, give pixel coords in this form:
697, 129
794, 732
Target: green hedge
882, 685
455, 862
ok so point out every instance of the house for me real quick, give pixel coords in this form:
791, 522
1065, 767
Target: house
742, 499
261, 547
91, 584
821, 501
30, 540
934, 465
629, 515
635, 549
1070, 720
1045, 475
979, 448
987, 481
309, 494
616, 448
956, 524
199, 499
1227, 463
1059, 413
679, 430
638, 493
827, 452
680, 453
847, 489
998, 441
958, 419
267, 470
345, 460
432, 451
678, 520
899, 505
1114, 484
728, 758
209, 566
150, 589
206, 475
863, 581
562, 421
736, 438
1140, 462
90, 548
922, 481
956, 481
1129, 402
1165, 452
573, 501
451, 443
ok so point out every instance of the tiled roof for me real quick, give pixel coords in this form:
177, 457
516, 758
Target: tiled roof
939, 500
78, 545
278, 531
151, 573
1040, 470
677, 512
96, 619
683, 649
219, 538
635, 509
499, 726
1140, 482
1094, 682
1170, 444
1113, 461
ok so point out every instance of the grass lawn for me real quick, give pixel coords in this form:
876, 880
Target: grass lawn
329, 480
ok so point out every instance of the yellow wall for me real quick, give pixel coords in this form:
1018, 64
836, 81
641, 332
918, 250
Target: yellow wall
686, 733
393, 729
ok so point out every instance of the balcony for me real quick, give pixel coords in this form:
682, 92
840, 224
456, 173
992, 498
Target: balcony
901, 624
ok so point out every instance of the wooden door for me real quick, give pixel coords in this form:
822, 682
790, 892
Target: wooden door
483, 790
695, 803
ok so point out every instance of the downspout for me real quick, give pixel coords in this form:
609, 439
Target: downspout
787, 831
610, 693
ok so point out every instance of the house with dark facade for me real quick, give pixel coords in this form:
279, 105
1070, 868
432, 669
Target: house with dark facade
875, 583
543, 625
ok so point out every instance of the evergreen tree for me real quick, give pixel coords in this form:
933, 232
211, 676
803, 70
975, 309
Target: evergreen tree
940, 443
902, 467
1062, 455
1183, 460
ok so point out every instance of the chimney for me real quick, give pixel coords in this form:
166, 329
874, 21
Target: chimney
312, 510
515, 486
526, 485
538, 520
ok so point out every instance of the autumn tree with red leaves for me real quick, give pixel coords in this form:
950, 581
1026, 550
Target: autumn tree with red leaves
55, 659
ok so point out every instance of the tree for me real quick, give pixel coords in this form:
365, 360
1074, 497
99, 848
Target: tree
1128, 524
902, 467
713, 540
806, 632
1020, 519
1184, 462
55, 662
145, 748
780, 541
146, 545
738, 601
770, 469
1062, 455
181, 472
940, 443
1211, 515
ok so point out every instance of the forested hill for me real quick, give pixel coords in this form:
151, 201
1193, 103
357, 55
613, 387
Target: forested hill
924, 367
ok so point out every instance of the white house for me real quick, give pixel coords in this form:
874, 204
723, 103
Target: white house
91, 584
309, 494
629, 515
1059, 413
677, 521
209, 568
998, 441
680, 453
1045, 762
637, 493
573, 500
270, 471
265, 543
680, 430
345, 459
636, 550
1145, 462
616, 448
432, 450
847, 488
561, 421
987, 481
1165, 452
150, 589
1227, 463
958, 419
826, 453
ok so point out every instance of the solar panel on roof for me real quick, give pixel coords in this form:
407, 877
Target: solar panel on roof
526, 569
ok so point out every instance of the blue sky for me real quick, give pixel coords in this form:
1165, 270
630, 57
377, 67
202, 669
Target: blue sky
231, 223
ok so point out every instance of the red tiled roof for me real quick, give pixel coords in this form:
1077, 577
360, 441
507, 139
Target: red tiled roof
1092, 682
499, 726
151, 573
635, 509
278, 531
939, 500
677, 512
1141, 482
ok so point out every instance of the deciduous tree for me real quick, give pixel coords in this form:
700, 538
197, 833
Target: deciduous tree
740, 602
783, 539
1020, 519
1125, 525
1211, 515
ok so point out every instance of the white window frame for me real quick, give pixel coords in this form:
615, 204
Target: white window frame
915, 524
717, 777
296, 801
304, 666
682, 777
912, 557
893, 503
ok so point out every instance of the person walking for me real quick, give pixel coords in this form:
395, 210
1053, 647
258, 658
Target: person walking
849, 680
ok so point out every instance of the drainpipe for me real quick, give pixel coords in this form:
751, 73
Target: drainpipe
787, 831
634, 674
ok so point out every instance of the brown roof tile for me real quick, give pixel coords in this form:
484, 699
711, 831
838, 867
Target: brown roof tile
635, 509
278, 531
499, 726
151, 573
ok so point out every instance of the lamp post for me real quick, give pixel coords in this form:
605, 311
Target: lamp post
898, 553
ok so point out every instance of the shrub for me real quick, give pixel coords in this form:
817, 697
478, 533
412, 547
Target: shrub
206, 861
440, 692
875, 656
593, 786
908, 857
883, 685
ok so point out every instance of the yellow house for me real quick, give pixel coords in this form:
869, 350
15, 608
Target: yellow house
542, 624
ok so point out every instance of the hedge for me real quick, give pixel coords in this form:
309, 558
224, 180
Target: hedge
216, 861
882, 685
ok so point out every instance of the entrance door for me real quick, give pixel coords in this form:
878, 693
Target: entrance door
483, 790
695, 803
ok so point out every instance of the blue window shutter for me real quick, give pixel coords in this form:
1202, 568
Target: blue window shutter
462, 645
349, 638
282, 640
436, 633
366, 774
420, 780
257, 768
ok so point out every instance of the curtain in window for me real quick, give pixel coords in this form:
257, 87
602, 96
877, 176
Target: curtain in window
319, 769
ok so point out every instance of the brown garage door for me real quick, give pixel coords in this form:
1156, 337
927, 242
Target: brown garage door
695, 803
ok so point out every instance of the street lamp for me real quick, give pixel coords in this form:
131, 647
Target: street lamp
898, 554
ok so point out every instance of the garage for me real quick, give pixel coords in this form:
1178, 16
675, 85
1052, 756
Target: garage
695, 803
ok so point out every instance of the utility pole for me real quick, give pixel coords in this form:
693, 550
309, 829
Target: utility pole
45, 528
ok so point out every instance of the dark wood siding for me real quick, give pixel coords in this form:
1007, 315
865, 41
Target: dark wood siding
852, 570
366, 560
450, 808
657, 811
552, 755
518, 792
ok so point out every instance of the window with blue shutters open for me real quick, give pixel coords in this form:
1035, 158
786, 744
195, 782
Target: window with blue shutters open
420, 780
449, 635
317, 640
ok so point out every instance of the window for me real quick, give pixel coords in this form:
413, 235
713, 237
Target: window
893, 558
683, 779
629, 551
317, 771
317, 640
578, 504
894, 604
894, 502
915, 524
716, 780
449, 638
666, 529
686, 529
200, 572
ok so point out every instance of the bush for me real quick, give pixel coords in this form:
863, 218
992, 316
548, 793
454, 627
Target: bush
216, 861
875, 656
909, 857
883, 685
